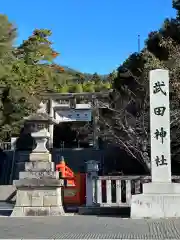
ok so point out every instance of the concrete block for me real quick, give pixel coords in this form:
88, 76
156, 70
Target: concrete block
39, 166
39, 211
58, 211
51, 201
43, 203
23, 198
37, 197
49, 192
155, 206
17, 212
52, 198
36, 211
160, 188
37, 201
36, 193
39, 175
32, 183
42, 157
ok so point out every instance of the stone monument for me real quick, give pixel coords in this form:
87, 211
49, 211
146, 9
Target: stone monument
161, 197
39, 186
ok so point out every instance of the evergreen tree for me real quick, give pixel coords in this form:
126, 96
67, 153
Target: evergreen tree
96, 78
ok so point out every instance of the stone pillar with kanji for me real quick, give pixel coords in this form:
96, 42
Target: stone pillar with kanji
39, 186
161, 197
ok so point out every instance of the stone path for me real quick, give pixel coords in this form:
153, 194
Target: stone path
88, 227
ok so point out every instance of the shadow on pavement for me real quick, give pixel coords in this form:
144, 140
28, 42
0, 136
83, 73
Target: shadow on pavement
5, 209
115, 212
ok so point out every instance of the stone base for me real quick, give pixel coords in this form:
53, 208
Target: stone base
39, 175
159, 200
37, 211
39, 166
38, 183
155, 206
42, 201
161, 188
41, 157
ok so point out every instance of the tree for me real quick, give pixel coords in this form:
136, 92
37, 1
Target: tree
128, 121
96, 78
76, 88
37, 48
7, 36
24, 72
80, 78
110, 78
88, 87
7, 76
63, 89
176, 4
28, 70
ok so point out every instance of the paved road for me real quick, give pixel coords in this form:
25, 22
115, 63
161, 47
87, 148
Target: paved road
88, 227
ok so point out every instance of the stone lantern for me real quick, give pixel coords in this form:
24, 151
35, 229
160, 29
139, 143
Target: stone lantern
39, 186
92, 166
39, 123
92, 173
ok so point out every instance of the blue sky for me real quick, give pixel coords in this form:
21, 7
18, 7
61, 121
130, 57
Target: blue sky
91, 35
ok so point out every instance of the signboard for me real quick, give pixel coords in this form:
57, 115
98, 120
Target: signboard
73, 115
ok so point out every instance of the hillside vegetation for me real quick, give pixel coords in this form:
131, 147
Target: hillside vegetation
30, 69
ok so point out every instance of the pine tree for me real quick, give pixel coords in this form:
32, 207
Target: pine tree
176, 5
96, 78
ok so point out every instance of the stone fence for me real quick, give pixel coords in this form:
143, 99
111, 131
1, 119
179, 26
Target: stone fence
117, 191
5, 145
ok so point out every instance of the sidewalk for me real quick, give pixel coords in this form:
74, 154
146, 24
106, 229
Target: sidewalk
88, 227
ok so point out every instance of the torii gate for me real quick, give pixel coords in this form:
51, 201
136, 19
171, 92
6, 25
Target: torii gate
53, 106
